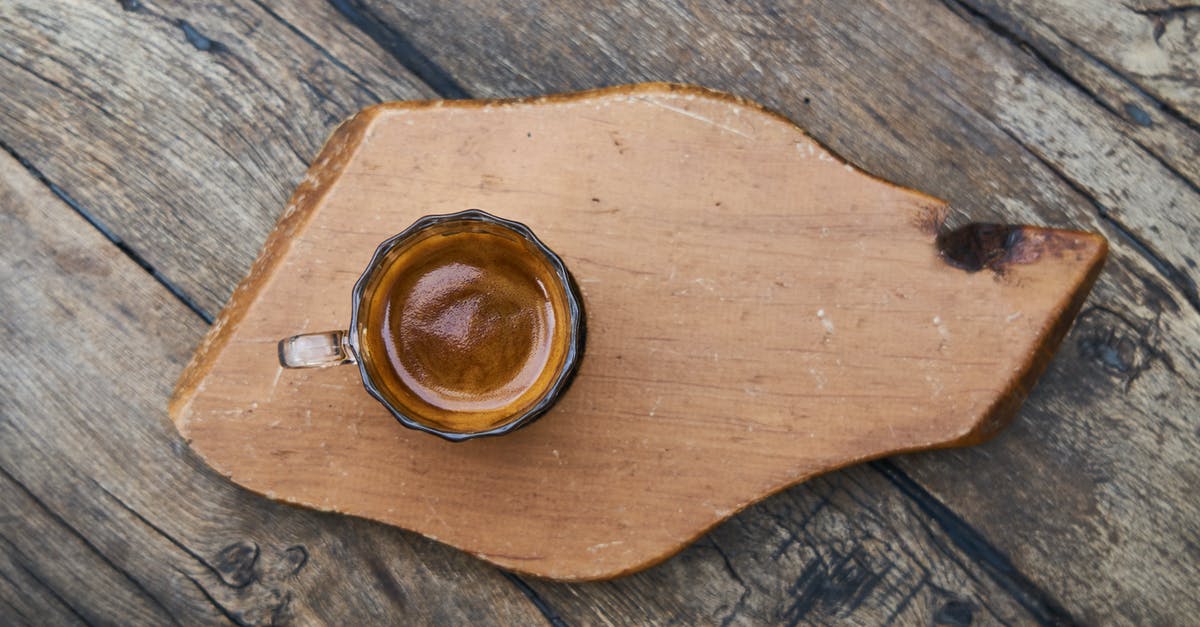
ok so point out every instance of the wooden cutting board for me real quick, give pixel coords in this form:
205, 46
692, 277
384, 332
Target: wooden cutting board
758, 312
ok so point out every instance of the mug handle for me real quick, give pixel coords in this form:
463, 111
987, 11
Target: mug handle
316, 350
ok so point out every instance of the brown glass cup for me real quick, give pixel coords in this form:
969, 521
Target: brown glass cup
463, 325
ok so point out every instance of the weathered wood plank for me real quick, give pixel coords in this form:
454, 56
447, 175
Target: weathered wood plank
28, 599
1152, 124
1150, 45
37, 542
1140, 170
879, 114
827, 552
693, 605
1094, 487
932, 100
109, 518
171, 122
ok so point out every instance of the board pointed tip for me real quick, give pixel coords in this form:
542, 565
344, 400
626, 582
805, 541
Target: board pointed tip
1060, 265
979, 246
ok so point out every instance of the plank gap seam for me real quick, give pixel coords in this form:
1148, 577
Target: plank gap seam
1045, 609
396, 44
536, 599
88, 543
108, 234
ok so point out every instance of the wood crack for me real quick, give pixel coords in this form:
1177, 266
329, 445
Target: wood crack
160, 531
1014, 34
1161, 103
64, 89
249, 70
939, 544
418, 37
793, 536
1185, 179
1168, 270
906, 600
548, 612
199, 40
740, 604
227, 58
226, 612
1130, 112
1160, 16
191, 34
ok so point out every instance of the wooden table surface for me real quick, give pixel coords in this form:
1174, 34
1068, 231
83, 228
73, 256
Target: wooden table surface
149, 146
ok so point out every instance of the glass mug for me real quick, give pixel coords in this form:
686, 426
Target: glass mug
463, 325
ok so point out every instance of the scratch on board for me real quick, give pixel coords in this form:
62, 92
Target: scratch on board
826, 323
275, 384
694, 116
942, 331
604, 545
436, 515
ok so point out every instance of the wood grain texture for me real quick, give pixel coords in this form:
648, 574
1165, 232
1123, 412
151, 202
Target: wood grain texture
55, 146
925, 97
107, 517
184, 139
89, 537
774, 564
1154, 125
906, 91
1149, 45
754, 306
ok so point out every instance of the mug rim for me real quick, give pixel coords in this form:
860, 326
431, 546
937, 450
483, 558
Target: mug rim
574, 311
